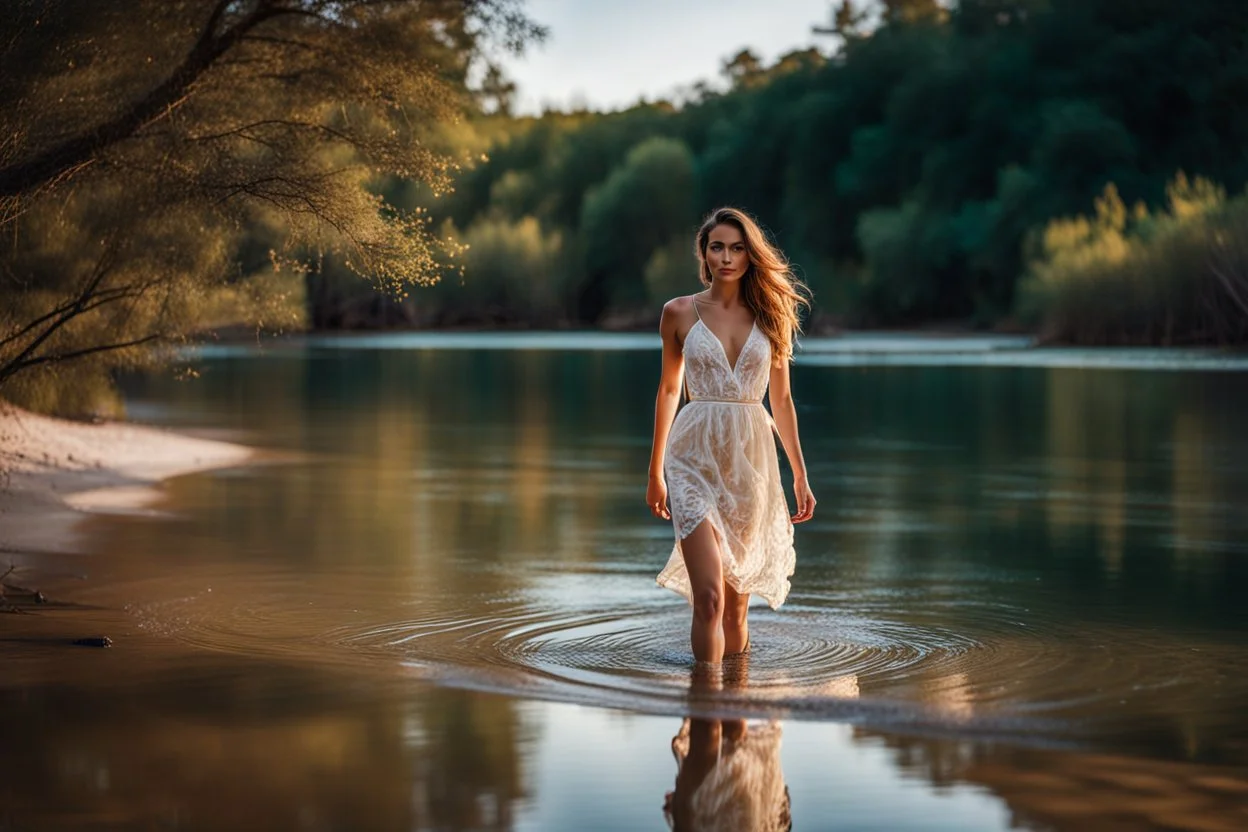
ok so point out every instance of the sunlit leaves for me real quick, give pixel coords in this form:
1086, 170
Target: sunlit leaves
166, 127
1130, 275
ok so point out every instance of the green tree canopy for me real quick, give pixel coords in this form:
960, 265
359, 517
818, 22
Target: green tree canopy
907, 170
638, 208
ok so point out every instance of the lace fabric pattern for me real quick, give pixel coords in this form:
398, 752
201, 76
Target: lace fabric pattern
721, 466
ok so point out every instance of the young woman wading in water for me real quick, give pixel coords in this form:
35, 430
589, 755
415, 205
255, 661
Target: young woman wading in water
714, 471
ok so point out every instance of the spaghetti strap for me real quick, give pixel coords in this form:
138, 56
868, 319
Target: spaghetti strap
685, 379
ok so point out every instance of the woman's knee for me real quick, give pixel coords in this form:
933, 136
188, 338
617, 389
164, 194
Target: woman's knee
708, 604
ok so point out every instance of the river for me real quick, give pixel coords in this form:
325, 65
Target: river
1021, 602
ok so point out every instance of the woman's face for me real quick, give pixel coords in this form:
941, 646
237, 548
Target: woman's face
726, 254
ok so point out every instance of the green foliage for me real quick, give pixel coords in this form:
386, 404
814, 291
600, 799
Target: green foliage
1128, 275
82, 296
152, 150
905, 174
635, 211
672, 270
512, 273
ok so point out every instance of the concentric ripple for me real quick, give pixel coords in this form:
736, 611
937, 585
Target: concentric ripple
856, 654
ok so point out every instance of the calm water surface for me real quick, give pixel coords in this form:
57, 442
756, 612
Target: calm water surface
1021, 603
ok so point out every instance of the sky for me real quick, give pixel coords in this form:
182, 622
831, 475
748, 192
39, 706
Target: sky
608, 53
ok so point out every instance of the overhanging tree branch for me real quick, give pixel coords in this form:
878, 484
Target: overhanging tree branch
68, 158
103, 266
262, 121
15, 367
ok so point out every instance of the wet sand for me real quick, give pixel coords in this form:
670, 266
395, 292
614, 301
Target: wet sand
55, 473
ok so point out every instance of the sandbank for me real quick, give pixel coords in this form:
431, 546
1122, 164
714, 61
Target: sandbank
54, 473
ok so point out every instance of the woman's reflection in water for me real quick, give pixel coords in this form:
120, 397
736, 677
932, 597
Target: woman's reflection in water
728, 773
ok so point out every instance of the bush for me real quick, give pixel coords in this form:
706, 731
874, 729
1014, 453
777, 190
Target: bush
512, 271
1135, 277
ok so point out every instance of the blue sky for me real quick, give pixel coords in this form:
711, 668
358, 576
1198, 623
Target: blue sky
608, 53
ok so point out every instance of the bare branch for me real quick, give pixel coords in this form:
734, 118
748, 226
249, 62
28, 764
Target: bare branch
12, 368
100, 299
102, 267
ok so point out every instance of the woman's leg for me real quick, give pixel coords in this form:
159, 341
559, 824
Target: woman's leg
706, 577
736, 628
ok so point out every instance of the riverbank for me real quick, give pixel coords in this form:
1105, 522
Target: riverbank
54, 473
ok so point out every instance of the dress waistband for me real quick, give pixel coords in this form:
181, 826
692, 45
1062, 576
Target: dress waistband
725, 401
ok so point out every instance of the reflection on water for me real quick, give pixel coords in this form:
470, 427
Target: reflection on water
1022, 582
728, 770
729, 777
1011, 551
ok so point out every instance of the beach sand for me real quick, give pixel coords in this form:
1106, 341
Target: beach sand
54, 473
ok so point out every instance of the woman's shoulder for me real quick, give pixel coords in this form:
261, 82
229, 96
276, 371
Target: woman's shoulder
679, 305
678, 316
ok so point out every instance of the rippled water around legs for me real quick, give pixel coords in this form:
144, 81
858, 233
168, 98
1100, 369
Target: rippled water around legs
955, 658
1023, 590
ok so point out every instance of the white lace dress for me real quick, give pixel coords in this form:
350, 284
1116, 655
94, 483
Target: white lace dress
721, 465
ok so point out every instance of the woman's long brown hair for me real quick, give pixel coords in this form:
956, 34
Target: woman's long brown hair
768, 287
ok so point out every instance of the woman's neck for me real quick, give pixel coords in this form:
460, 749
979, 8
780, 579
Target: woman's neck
724, 294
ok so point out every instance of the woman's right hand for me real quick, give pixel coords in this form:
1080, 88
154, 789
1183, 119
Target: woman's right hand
656, 497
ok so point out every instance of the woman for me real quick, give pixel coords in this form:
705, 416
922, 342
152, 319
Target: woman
716, 460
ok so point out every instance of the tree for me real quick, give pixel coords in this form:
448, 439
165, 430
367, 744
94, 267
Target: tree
637, 209
744, 68
904, 12
907, 175
203, 117
848, 21
498, 90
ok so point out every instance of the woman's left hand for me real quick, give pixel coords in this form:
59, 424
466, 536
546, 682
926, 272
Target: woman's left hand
805, 501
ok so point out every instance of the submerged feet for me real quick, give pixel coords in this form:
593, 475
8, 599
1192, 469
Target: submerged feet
732, 673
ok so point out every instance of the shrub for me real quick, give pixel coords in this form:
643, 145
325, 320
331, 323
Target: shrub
1123, 276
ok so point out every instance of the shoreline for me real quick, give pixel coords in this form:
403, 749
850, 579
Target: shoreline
55, 473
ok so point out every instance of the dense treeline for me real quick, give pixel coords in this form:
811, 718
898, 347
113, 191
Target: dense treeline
160, 160
910, 176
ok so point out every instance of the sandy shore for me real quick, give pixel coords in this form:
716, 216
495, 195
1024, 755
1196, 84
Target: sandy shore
55, 472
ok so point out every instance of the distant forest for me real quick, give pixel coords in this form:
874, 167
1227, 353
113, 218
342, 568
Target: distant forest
174, 171
913, 176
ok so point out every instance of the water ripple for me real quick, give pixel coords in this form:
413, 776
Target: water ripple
953, 658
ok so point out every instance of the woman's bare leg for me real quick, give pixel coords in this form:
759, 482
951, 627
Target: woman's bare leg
706, 577
736, 628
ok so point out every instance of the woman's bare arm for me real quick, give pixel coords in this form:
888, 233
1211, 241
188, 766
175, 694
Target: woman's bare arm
666, 402
780, 396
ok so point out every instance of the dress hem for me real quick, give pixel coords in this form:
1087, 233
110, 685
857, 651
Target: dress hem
671, 579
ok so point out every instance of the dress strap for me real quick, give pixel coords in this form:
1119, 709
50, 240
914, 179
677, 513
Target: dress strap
685, 379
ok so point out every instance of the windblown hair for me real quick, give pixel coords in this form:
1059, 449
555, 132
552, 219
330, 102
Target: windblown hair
769, 287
